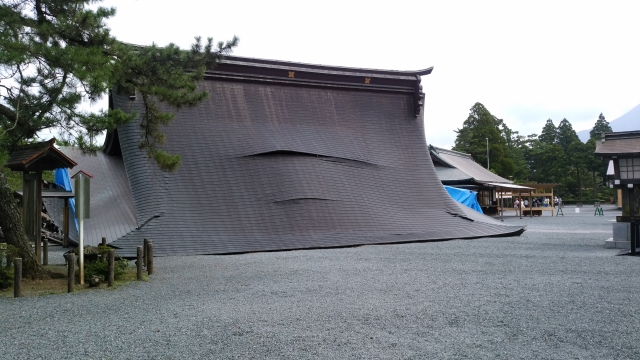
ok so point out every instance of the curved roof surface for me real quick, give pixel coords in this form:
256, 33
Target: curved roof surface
112, 210
283, 165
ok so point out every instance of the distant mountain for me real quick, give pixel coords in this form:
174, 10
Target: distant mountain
627, 122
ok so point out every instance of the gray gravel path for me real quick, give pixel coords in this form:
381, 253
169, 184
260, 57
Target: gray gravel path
553, 293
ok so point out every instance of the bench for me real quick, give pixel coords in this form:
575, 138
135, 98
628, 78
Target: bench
536, 212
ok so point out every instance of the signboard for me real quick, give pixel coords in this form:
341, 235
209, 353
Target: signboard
83, 197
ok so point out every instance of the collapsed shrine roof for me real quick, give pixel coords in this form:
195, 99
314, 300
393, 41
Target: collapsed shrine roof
285, 156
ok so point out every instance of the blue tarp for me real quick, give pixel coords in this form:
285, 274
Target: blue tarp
464, 197
62, 179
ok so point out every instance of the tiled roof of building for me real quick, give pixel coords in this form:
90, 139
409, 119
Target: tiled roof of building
465, 164
618, 143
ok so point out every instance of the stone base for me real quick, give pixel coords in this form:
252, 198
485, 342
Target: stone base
619, 244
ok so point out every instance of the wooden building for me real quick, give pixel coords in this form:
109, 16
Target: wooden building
460, 170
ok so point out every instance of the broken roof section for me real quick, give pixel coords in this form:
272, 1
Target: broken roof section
285, 156
454, 167
112, 210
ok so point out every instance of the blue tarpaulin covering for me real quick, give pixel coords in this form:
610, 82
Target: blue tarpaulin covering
62, 179
465, 197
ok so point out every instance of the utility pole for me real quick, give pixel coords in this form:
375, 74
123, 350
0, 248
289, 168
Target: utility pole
487, 153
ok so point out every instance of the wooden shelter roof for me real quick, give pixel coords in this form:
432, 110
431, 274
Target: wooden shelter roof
541, 186
39, 156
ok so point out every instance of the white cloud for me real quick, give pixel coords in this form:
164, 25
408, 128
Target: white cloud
525, 62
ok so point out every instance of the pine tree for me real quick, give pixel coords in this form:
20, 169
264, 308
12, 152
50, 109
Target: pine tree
54, 54
574, 152
565, 135
479, 126
549, 133
601, 126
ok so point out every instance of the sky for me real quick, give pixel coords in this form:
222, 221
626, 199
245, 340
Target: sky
525, 61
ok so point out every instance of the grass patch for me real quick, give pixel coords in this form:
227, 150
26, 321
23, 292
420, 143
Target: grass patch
57, 283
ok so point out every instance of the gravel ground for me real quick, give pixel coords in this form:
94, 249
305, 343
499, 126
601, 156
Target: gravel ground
553, 293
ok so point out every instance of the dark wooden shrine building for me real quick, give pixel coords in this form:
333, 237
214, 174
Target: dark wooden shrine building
623, 148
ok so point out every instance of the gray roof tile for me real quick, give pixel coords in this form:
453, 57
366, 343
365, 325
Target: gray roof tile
276, 167
466, 165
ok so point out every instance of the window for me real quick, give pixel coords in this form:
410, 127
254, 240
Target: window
629, 168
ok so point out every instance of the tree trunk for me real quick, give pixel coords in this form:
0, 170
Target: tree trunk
579, 186
595, 189
13, 230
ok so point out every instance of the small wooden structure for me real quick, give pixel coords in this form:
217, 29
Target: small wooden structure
528, 191
32, 160
540, 191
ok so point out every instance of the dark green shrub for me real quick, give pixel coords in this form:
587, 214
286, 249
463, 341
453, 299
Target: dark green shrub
101, 269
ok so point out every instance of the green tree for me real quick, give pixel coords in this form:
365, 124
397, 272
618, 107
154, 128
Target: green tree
565, 135
574, 152
533, 153
514, 152
55, 54
549, 133
601, 126
479, 126
596, 166
551, 164
578, 158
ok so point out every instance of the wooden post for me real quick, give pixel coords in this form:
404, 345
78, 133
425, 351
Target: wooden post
32, 208
112, 258
552, 202
65, 223
17, 277
45, 252
502, 204
144, 254
139, 263
150, 258
71, 271
104, 244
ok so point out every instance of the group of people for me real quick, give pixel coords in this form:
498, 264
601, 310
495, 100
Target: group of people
535, 202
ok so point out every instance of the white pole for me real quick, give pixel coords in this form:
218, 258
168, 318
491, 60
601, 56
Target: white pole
81, 242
